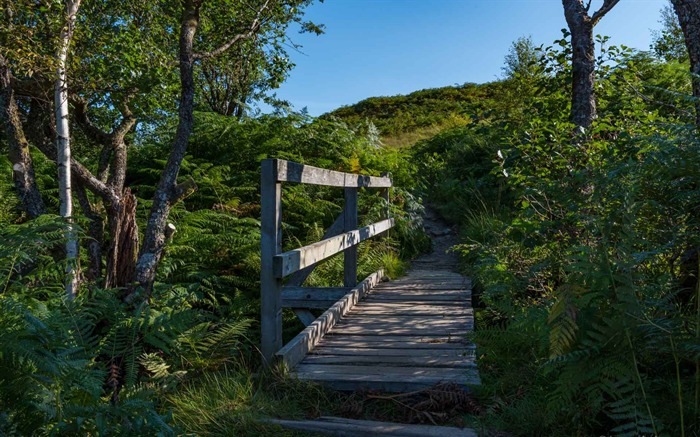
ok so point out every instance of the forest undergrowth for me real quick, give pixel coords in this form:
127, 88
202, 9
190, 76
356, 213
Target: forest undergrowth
583, 248
187, 360
583, 242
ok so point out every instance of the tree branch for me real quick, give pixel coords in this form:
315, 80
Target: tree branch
128, 120
38, 88
254, 27
600, 13
657, 102
18, 147
86, 125
81, 173
183, 190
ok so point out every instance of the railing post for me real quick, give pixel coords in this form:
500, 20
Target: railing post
271, 245
350, 255
386, 193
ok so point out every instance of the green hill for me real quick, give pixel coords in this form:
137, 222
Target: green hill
405, 119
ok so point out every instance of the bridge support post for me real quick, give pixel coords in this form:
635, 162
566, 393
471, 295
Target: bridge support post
271, 245
386, 195
350, 255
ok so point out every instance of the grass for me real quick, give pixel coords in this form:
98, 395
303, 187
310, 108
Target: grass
393, 266
409, 138
236, 402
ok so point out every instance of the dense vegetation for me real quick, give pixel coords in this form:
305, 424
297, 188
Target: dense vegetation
584, 248
583, 244
63, 361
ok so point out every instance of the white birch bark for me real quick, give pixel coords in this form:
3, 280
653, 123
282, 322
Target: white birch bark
63, 148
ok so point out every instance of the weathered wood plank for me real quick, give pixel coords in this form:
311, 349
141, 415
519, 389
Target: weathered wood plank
304, 315
434, 307
467, 351
298, 278
350, 254
398, 385
424, 286
418, 298
391, 360
316, 304
432, 375
363, 373
294, 351
428, 284
430, 273
401, 320
270, 246
397, 341
416, 271
391, 329
437, 274
288, 171
405, 335
314, 293
401, 305
368, 326
423, 291
386, 196
351, 428
312, 297
289, 262
412, 310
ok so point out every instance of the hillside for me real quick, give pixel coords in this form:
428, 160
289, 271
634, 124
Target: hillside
405, 119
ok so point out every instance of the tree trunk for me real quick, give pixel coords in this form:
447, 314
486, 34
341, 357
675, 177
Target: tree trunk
168, 193
120, 203
583, 104
688, 12
124, 241
63, 149
22, 165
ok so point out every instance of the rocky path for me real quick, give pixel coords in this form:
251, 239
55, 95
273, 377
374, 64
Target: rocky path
444, 237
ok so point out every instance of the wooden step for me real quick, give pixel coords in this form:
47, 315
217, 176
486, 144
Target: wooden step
338, 426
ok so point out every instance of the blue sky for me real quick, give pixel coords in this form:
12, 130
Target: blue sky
389, 47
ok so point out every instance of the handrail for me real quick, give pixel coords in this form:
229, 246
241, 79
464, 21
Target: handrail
294, 260
343, 236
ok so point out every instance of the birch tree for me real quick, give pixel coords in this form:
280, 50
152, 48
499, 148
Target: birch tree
130, 58
63, 151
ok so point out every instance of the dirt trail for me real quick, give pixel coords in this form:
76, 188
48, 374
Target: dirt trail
443, 237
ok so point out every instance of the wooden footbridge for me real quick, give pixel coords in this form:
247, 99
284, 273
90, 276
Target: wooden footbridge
398, 336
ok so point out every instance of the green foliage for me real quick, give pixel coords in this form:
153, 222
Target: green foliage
93, 365
231, 402
54, 373
99, 365
424, 112
456, 167
523, 61
583, 251
668, 43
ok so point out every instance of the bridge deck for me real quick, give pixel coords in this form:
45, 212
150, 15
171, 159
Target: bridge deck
406, 335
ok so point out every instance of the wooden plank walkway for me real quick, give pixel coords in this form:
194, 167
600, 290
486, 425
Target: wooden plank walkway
405, 335
339, 426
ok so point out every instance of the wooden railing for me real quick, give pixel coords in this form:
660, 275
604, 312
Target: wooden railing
343, 236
